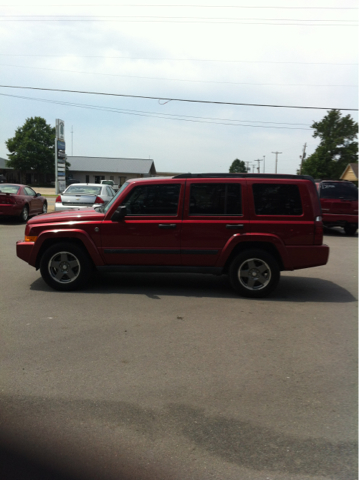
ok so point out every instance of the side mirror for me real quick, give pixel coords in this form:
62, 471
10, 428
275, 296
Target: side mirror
119, 213
38, 195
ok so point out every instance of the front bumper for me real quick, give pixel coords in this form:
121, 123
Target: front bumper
24, 250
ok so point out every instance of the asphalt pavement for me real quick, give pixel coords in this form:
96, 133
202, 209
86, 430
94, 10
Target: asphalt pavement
145, 376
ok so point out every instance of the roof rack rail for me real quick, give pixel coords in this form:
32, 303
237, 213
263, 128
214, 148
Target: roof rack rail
240, 175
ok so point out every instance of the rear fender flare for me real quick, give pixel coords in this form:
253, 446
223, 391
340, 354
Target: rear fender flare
253, 240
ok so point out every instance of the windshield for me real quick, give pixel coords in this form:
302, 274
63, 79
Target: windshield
110, 203
83, 190
107, 182
338, 190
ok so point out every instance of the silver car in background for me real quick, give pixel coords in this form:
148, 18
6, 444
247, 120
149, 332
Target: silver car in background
83, 195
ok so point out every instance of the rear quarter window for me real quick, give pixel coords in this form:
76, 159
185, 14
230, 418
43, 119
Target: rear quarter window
277, 199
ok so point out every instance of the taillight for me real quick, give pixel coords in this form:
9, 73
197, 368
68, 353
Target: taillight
8, 200
99, 200
58, 199
318, 231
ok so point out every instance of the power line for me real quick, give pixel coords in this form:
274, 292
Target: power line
181, 79
194, 20
167, 116
158, 17
169, 99
191, 6
173, 59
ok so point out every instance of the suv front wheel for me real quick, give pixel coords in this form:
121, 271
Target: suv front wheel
65, 266
254, 273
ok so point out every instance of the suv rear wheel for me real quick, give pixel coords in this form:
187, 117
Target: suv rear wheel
350, 229
65, 266
254, 273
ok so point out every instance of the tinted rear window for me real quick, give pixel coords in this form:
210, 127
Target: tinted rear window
215, 199
9, 189
83, 190
277, 199
345, 191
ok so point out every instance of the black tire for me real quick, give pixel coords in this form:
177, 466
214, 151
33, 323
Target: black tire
24, 215
350, 229
65, 266
254, 273
44, 207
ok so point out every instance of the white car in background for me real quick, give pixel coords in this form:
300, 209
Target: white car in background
84, 195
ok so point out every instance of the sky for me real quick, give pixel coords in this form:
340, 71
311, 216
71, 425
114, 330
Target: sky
220, 77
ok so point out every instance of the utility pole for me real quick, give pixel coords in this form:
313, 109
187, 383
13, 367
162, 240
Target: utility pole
248, 167
72, 140
302, 157
259, 160
276, 159
264, 164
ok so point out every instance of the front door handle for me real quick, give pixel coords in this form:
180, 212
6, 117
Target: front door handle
167, 225
236, 226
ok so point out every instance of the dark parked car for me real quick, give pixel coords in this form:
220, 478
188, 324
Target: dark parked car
339, 201
250, 227
20, 201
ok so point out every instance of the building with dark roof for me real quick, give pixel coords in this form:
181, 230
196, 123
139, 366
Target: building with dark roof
93, 169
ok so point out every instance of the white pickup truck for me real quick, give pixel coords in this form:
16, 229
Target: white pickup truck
111, 183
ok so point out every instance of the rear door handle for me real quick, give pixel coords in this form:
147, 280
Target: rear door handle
167, 225
236, 226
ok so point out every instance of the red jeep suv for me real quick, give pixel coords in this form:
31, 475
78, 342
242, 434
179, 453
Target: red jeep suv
339, 200
249, 226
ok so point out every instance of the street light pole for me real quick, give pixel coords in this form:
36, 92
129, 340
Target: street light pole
259, 160
276, 160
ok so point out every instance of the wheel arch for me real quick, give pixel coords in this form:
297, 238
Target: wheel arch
53, 241
258, 245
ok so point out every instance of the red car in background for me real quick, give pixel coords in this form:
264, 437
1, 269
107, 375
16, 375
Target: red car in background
20, 201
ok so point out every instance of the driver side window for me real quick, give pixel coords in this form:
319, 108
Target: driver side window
30, 191
153, 200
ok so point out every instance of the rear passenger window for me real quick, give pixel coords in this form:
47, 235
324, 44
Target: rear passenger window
281, 199
215, 199
153, 200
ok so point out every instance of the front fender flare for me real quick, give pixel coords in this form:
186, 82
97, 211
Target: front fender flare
66, 234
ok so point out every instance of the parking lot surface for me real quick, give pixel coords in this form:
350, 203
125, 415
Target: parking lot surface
175, 377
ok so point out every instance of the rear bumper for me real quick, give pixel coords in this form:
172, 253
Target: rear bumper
24, 250
10, 210
339, 219
59, 207
307, 256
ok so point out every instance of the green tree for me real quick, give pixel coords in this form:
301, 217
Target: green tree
238, 166
336, 149
32, 149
